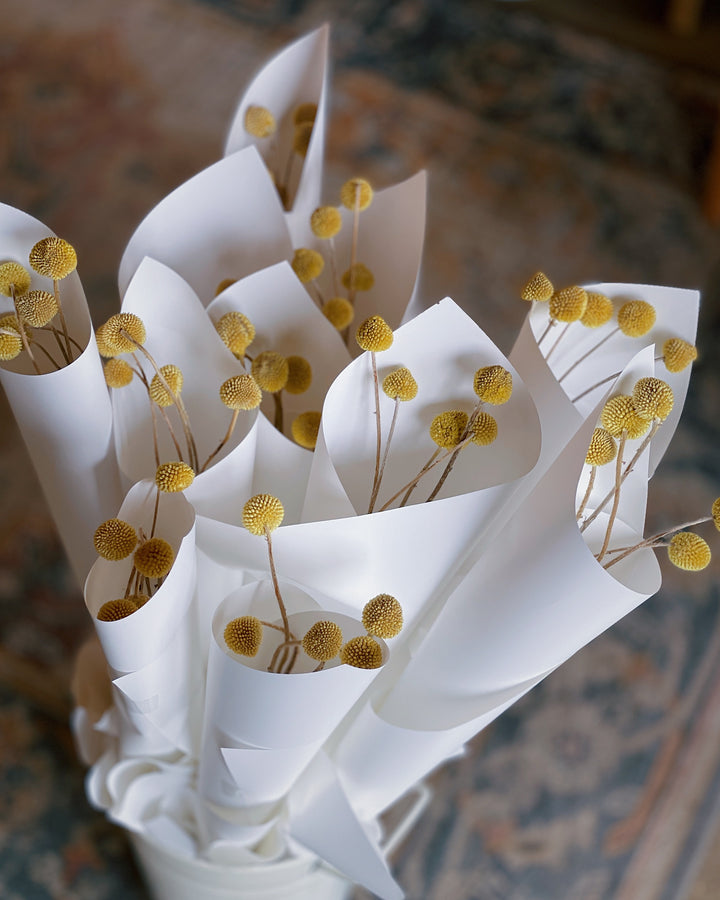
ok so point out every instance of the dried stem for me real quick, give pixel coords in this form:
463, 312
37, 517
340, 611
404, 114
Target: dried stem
378, 431
333, 267
46, 352
277, 397
559, 338
588, 353
455, 453
63, 323
591, 483
605, 381
143, 377
228, 435
376, 489
278, 595
354, 243
655, 541
155, 512
550, 324
616, 496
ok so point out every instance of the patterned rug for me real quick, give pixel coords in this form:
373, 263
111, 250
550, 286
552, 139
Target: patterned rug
547, 149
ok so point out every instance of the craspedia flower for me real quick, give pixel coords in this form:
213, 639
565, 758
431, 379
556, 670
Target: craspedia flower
653, 398
154, 558
383, 616
599, 310
493, 384
568, 304
636, 318
339, 312
619, 414
400, 384
715, 512
224, 284
358, 278
14, 278
325, 222
271, 371
113, 610
259, 121
173, 477
116, 328
374, 334
236, 331
114, 539
539, 288
689, 551
174, 378
307, 264
241, 392
10, 343
483, 429
299, 375
54, 258
362, 652
304, 112
356, 190
447, 428
678, 354
261, 512
104, 349
323, 640
244, 635
305, 429
37, 308
301, 138
602, 449
138, 599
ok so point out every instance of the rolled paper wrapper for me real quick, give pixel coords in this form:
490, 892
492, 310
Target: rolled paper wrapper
64, 416
151, 654
297, 75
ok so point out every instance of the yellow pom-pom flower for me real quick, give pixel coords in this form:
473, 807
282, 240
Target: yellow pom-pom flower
236, 331
362, 652
114, 539
307, 264
54, 258
271, 371
493, 384
174, 477
447, 428
483, 429
619, 414
599, 310
241, 392
301, 138
14, 278
602, 449
304, 112
715, 512
37, 308
305, 429
326, 222
568, 304
636, 318
358, 278
539, 289
678, 354
259, 121
244, 635
262, 512
120, 332
383, 616
138, 599
323, 640
11, 344
689, 551
356, 190
339, 312
653, 398
113, 610
299, 375
154, 558
159, 393
374, 334
400, 384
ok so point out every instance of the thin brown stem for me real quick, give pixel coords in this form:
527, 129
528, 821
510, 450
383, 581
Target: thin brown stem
155, 512
315, 293
354, 243
455, 453
616, 496
588, 353
655, 541
58, 334
591, 484
133, 574
333, 268
408, 488
63, 323
605, 381
376, 489
228, 435
278, 421
281, 648
139, 372
50, 357
550, 324
559, 338
276, 586
378, 430
319, 667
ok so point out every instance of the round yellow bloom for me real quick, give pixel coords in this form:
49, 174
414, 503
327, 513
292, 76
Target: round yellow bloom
339, 312
323, 640
362, 653
10, 343
307, 264
636, 318
104, 349
114, 610
54, 258
259, 121
271, 371
304, 112
619, 414
261, 512
159, 393
301, 138
173, 477
447, 428
374, 334
356, 190
678, 354
599, 310
383, 616
241, 392
602, 449
305, 429
358, 278
568, 304
400, 384
653, 398
114, 539
716, 513
236, 331
539, 288
154, 558
37, 308
118, 373
138, 599
484, 429
493, 384
114, 330
326, 222
299, 375
689, 551
244, 635
13, 278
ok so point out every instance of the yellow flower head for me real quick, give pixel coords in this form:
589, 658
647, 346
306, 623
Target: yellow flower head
173, 477
54, 258
113, 333
299, 375
339, 312
539, 288
271, 371
262, 512
305, 429
301, 138
14, 278
236, 331
484, 429
323, 640
159, 393
356, 190
400, 384
358, 278
568, 304
374, 334
116, 609
689, 551
599, 310
447, 428
362, 653
241, 392
259, 121
114, 539
304, 112
138, 599
37, 308
619, 414
602, 449
678, 354
325, 222
653, 398
383, 616
10, 342
224, 284
307, 264
154, 558
244, 635
636, 318
493, 384
716, 513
